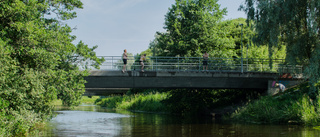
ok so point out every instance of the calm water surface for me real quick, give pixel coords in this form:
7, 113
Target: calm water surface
94, 121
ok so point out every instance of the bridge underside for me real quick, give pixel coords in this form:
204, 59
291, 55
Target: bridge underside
114, 82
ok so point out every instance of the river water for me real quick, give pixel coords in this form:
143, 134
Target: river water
94, 121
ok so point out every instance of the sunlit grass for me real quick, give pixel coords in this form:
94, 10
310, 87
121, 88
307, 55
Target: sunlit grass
89, 100
293, 106
84, 100
150, 102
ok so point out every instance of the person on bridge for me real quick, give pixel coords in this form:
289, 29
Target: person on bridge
124, 58
205, 61
142, 58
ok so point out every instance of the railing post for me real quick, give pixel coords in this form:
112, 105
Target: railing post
156, 63
241, 50
152, 63
241, 65
178, 64
112, 63
199, 68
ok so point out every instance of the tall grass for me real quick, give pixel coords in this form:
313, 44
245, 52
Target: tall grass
295, 105
309, 111
266, 110
151, 102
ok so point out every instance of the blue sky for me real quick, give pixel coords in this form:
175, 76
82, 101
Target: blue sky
115, 25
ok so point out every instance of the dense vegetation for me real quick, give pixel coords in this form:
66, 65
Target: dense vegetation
193, 27
296, 25
293, 106
38, 62
279, 29
178, 101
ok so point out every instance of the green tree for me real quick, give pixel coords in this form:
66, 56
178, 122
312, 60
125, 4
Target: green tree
39, 62
189, 28
296, 23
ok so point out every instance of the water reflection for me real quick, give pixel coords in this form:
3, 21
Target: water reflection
94, 121
85, 123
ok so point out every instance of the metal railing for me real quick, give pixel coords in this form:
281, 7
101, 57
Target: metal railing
195, 64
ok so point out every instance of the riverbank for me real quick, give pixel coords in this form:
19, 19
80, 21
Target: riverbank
84, 100
178, 101
294, 106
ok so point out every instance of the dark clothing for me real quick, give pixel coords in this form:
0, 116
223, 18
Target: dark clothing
125, 61
205, 62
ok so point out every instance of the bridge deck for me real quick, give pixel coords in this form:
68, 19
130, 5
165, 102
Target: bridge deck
104, 80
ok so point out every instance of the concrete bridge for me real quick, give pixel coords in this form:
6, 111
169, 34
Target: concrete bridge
186, 72
113, 82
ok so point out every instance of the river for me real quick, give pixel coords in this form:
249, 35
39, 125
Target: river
94, 121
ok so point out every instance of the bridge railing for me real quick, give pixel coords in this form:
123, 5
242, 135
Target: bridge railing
195, 64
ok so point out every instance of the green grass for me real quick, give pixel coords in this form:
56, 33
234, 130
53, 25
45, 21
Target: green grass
151, 102
267, 110
293, 105
89, 100
84, 100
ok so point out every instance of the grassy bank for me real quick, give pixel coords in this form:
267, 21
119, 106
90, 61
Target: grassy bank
295, 105
151, 102
84, 100
177, 101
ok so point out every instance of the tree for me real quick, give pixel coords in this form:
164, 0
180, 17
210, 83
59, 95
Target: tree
190, 28
38, 60
296, 23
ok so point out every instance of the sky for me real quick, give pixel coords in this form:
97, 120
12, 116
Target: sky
115, 25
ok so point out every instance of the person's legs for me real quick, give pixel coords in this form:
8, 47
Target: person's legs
124, 68
142, 66
205, 65
124, 65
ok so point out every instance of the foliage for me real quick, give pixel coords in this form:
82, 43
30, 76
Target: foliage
38, 61
295, 23
229, 40
190, 26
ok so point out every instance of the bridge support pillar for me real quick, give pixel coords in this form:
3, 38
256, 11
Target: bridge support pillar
272, 89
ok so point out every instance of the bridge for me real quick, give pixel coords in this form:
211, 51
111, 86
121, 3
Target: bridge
187, 72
